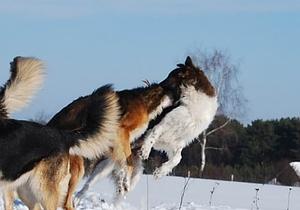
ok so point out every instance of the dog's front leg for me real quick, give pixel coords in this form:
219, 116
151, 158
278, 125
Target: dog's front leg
77, 172
119, 176
150, 139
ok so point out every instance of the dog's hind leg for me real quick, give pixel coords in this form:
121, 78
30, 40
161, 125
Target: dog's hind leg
126, 167
51, 193
77, 171
125, 179
40, 191
28, 197
120, 155
8, 197
128, 171
50, 182
118, 175
137, 171
174, 159
122, 178
51, 203
130, 178
47, 194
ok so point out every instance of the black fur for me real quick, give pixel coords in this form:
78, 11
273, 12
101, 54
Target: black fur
79, 115
24, 143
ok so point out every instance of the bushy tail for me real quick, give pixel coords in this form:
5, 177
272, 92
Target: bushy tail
100, 126
25, 79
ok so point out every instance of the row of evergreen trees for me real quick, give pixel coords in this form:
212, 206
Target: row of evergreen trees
259, 152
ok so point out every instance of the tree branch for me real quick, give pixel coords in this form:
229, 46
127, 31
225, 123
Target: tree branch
218, 128
214, 148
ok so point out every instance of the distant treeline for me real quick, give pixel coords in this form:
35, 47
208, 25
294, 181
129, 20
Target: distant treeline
259, 152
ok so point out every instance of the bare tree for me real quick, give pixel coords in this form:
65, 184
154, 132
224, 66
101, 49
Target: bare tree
223, 73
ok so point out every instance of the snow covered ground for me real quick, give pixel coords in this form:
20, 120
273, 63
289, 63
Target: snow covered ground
165, 194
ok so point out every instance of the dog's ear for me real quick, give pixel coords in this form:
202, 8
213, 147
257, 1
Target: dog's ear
180, 65
189, 62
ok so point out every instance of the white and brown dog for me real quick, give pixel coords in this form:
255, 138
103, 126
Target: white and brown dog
197, 108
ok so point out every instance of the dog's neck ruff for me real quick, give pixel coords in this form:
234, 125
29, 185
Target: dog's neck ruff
202, 107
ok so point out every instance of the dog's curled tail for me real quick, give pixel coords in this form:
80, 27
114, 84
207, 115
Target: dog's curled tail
26, 77
101, 125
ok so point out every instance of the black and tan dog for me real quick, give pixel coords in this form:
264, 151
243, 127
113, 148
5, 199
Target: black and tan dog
138, 107
25, 147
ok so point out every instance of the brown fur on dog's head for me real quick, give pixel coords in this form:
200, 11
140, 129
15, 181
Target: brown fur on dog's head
188, 74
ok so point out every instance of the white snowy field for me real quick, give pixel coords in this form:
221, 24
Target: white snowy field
165, 194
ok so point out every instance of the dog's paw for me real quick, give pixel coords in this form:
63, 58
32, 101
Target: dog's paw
120, 191
159, 172
144, 153
126, 185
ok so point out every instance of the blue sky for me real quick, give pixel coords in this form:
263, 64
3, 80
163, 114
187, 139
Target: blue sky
86, 44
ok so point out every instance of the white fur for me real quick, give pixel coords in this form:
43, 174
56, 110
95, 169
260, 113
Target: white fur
92, 148
31, 191
100, 143
29, 78
180, 127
